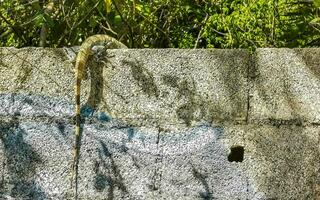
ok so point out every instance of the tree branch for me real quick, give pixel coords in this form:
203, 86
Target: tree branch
16, 31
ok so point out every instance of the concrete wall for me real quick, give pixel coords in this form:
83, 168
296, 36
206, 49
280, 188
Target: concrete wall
162, 124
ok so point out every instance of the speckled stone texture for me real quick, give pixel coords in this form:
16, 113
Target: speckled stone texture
162, 124
286, 86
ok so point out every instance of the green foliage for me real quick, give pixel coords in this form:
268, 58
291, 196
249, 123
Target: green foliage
162, 23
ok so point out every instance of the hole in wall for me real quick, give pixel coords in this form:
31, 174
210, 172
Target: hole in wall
236, 154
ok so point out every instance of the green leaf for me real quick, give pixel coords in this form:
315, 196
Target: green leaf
138, 7
117, 19
107, 3
316, 3
39, 20
315, 21
93, 22
49, 20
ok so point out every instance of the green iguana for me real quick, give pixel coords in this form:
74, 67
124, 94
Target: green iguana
86, 50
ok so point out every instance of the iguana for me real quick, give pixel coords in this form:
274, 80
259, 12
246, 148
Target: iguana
86, 50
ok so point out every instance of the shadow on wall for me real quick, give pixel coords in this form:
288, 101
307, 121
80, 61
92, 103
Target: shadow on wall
283, 94
183, 152
212, 94
229, 77
20, 161
207, 195
108, 177
107, 173
113, 178
311, 58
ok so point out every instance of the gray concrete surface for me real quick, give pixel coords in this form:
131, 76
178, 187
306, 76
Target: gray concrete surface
286, 85
162, 124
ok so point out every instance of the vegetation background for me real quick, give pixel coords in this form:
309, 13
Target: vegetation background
162, 23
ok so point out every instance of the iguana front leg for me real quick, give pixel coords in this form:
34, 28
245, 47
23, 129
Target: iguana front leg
86, 49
